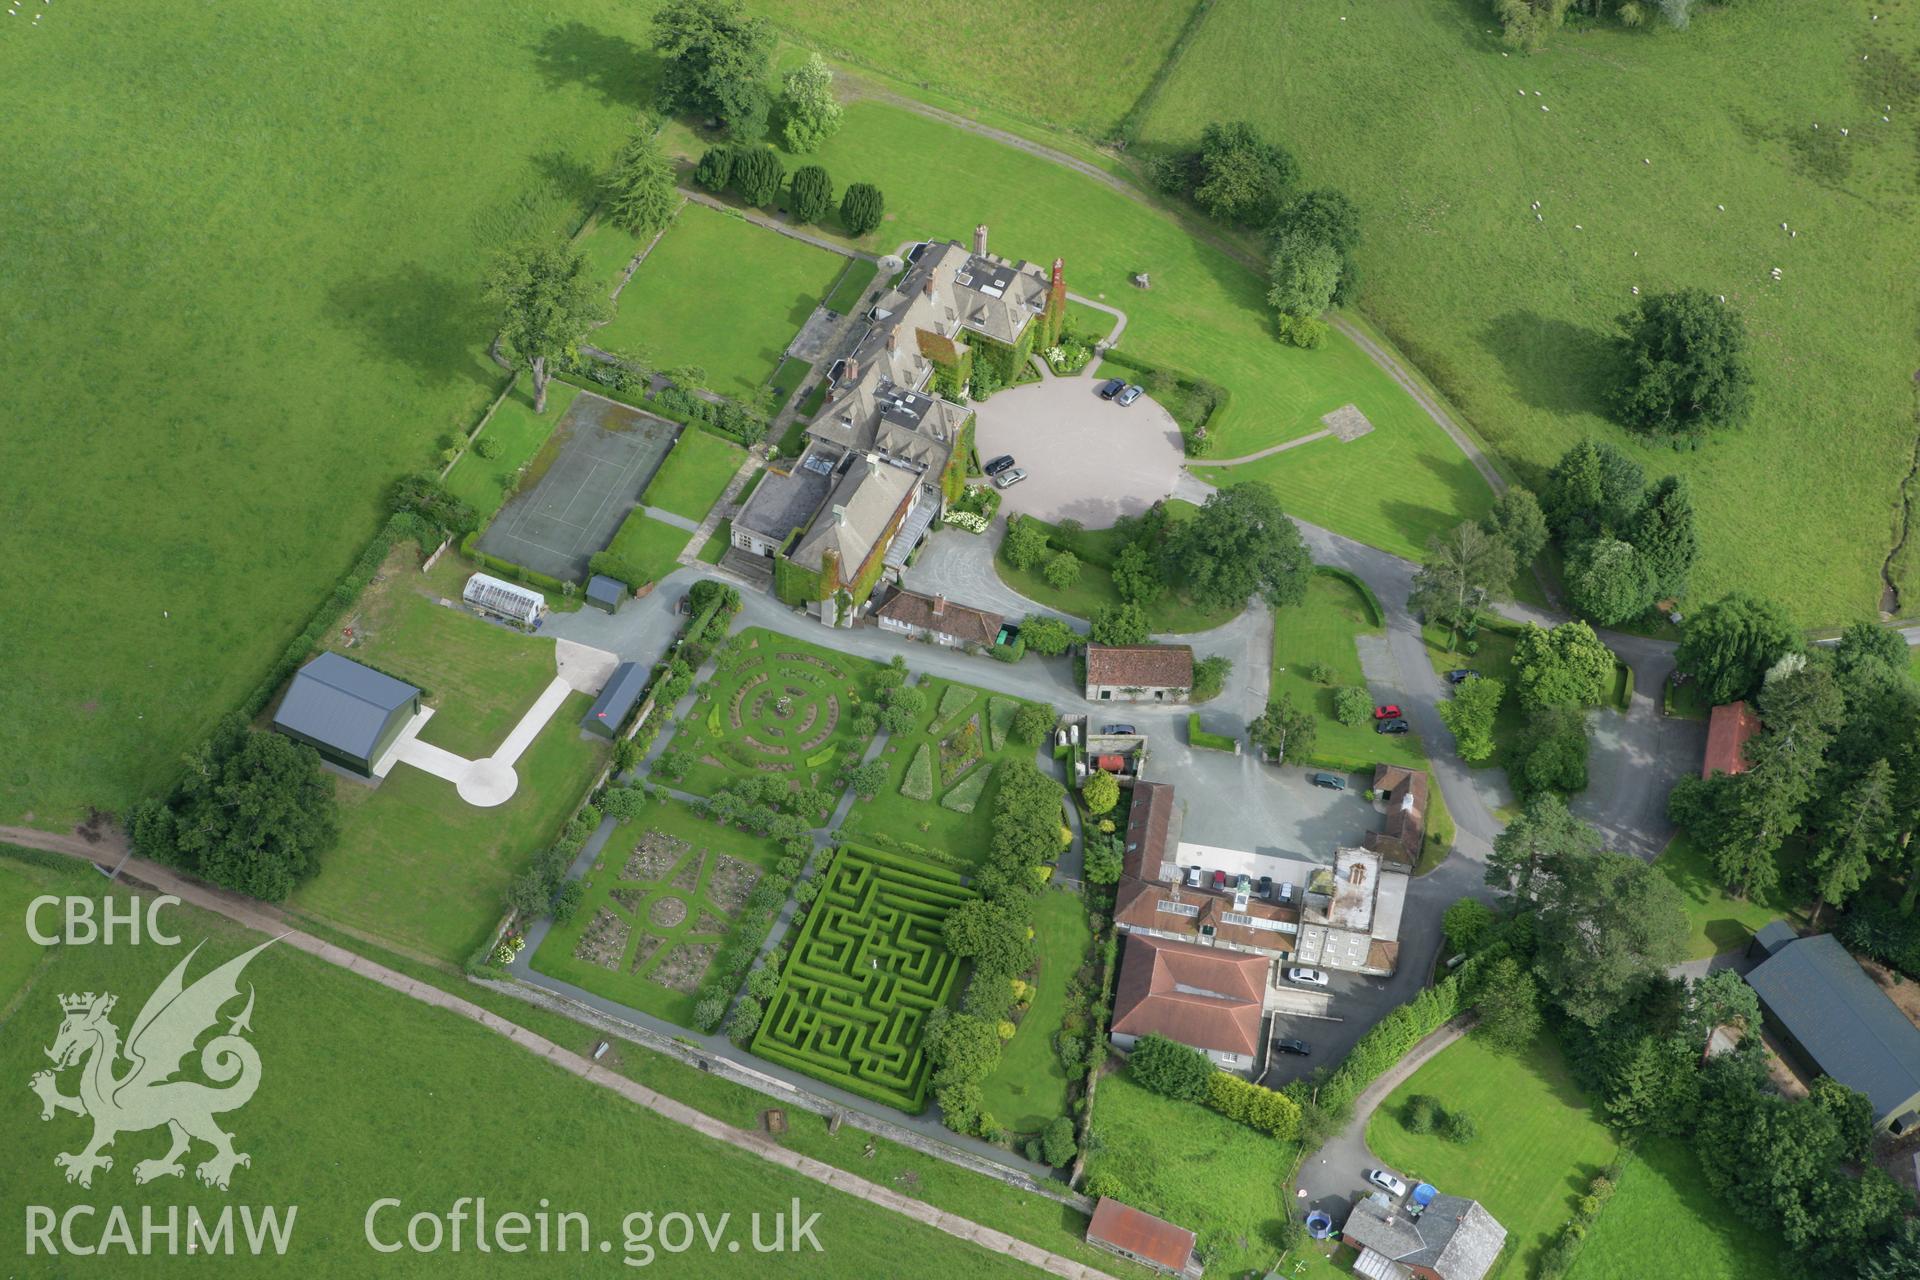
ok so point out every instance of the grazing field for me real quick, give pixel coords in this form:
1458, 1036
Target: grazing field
1716, 922
1322, 631
24, 876
952, 759
278, 298
1443, 143
719, 293
869, 966
695, 474
660, 906
319, 1138
1664, 1220
1539, 1142
1230, 1184
1029, 1087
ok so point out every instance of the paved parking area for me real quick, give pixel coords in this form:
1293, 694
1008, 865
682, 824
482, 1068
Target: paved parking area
1238, 803
1086, 458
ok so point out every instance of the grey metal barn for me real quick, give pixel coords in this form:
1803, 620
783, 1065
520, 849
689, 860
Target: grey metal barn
347, 712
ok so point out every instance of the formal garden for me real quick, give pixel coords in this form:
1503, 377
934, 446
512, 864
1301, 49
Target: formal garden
870, 965
662, 902
776, 705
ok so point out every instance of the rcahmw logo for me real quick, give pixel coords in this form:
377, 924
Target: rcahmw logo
146, 1095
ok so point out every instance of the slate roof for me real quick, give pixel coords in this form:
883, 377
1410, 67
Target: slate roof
870, 495
1143, 666
1200, 996
1775, 935
341, 703
604, 590
1454, 1237
1141, 1234
622, 689
1149, 821
1845, 1023
937, 613
1727, 734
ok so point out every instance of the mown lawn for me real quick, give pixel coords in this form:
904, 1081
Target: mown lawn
1539, 1142
1715, 921
651, 546
852, 285
1414, 111
518, 432
1180, 1161
1664, 1220
1029, 1087
722, 294
694, 475
1323, 630
366, 1093
278, 294
1096, 549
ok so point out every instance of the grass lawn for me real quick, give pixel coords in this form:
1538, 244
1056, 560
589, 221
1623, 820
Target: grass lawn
1663, 1220
716, 544
650, 546
894, 819
1182, 1162
1413, 111
1716, 922
519, 432
1088, 322
1029, 1087
720, 293
639, 954
694, 475
269, 342
1539, 1141
1322, 630
786, 380
24, 876
1097, 549
852, 285
366, 1093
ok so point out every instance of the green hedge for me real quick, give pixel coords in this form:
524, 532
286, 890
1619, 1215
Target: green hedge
1389, 1041
508, 569
1375, 614
1190, 433
1000, 714
1622, 685
1198, 737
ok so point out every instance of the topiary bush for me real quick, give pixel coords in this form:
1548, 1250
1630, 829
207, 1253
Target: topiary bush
809, 193
861, 208
756, 175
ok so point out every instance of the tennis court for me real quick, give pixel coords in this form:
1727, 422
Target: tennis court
607, 454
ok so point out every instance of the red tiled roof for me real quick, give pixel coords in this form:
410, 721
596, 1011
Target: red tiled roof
1727, 734
1138, 907
937, 613
1141, 666
1406, 823
1127, 1229
1164, 988
1147, 819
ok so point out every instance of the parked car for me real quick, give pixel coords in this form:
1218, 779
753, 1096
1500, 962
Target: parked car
1124, 730
1009, 478
1219, 882
1386, 712
1391, 726
1387, 1182
996, 465
1331, 781
1111, 388
1460, 675
1193, 877
1286, 894
1131, 394
1266, 888
1309, 977
1289, 1044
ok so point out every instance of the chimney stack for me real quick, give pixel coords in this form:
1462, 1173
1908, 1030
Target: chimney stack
939, 606
980, 241
927, 287
852, 372
873, 464
839, 515
893, 339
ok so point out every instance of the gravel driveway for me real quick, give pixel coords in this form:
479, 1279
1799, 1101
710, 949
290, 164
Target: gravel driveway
1086, 458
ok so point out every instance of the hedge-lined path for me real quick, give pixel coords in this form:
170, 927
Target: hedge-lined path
256, 916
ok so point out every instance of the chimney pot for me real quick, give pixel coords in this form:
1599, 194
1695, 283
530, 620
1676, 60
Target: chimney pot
853, 369
980, 240
939, 606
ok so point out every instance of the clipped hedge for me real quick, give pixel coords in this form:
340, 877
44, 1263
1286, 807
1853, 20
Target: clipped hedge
1376, 615
1622, 685
1255, 1105
964, 797
1389, 1041
918, 784
1198, 737
508, 569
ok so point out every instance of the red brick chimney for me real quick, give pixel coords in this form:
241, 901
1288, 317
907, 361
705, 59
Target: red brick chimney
939, 606
852, 372
927, 288
893, 339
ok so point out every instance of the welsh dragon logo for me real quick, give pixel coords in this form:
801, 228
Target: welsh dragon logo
145, 1095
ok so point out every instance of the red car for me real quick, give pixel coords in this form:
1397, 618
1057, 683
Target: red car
1219, 882
1388, 712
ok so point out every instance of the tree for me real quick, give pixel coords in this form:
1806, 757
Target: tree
1686, 357
1866, 642
1025, 542
548, 300
1033, 722
1526, 24
1550, 753
1062, 570
1517, 521
961, 1047
1303, 273
809, 193
1242, 177
861, 208
1048, 637
1285, 728
809, 113
1536, 845
1136, 576
1509, 1004
1594, 489
1859, 833
1170, 1068
757, 174
1328, 216
1720, 998
1470, 715
1123, 623
867, 779
1240, 543
1728, 646
1464, 569
1105, 859
1610, 581
1651, 1082
1352, 706
991, 934
1465, 923
1607, 924
1567, 665
638, 191
1210, 677
714, 61
1663, 533
1101, 792
715, 170
1056, 1142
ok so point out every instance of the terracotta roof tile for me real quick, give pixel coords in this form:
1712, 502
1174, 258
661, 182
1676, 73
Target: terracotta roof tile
1141, 1234
1727, 734
1144, 666
1200, 996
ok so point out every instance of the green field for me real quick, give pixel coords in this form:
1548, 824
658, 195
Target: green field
1415, 112
1097, 549
652, 547
1539, 1141
852, 285
519, 433
1029, 1087
694, 475
277, 300
629, 955
1663, 1220
1230, 1184
1322, 630
720, 293
321, 1139
1716, 922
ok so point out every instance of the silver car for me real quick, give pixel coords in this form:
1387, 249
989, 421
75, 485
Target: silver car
1309, 977
1387, 1182
1128, 396
1009, 478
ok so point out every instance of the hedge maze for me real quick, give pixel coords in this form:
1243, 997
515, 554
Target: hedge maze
868, 968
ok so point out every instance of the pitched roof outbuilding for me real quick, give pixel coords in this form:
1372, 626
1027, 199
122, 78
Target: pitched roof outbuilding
1727, 733
937, 613
1130, 1230
1143, 666
1845, 1023
1200, 996
337, 701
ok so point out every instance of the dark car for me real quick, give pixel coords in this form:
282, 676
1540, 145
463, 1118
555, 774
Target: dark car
1111, 388
1331, 781
996, 465
1391, 726
1266, 887
1131, 394
1288, 1044
1460, 675
1126, 730
1219, 882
